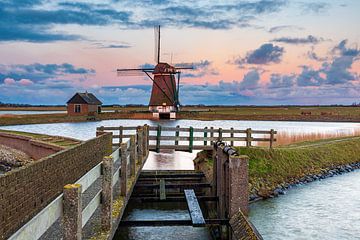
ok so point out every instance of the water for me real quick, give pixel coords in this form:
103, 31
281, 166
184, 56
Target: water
160, 211
327, 209
321, 210
28, 112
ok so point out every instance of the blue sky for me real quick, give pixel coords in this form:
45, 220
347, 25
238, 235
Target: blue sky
264, 52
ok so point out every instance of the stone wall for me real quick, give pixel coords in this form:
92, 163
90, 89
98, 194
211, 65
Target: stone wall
27, 190
242, 228
33, 148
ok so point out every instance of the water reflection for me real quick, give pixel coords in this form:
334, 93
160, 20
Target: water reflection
325, 209
169, 160
160, 211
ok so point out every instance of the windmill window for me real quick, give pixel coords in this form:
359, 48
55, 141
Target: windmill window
77, 108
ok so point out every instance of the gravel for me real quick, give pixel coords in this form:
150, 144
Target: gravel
12, 158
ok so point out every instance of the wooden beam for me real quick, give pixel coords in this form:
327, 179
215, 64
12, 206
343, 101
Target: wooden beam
162, 189
195, 212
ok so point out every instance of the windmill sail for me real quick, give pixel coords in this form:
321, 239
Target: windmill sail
157, 44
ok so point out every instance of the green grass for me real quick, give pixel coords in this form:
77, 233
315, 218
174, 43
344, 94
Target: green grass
270, 168
54, 140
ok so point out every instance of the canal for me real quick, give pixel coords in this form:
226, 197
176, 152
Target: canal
326, 209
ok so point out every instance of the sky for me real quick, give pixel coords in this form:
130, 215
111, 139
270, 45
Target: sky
245, 52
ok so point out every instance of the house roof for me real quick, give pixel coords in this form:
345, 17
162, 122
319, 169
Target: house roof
85, 97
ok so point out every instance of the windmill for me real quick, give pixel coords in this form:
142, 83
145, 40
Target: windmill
164, 100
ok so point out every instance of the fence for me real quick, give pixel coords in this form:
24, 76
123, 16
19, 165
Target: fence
119, 166
185, 138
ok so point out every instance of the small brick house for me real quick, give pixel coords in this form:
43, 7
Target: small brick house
83, 104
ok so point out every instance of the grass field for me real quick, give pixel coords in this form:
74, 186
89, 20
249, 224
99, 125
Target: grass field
54, 140
322, 113
269, 169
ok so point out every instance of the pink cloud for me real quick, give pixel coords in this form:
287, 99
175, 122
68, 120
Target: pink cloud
25, 82
9, 81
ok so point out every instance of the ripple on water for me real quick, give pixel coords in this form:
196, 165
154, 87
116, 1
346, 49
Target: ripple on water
325, 209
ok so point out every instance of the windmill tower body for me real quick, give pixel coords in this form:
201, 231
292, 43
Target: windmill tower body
163, 100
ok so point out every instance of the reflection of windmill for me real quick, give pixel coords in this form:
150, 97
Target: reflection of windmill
164, 101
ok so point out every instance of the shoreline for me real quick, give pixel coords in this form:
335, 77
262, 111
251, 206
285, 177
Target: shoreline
7, 120
281, 190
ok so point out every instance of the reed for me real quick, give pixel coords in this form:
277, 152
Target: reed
286, 138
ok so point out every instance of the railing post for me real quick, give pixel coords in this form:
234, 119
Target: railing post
147, 134
232, 136
177, 134
123, 183
220, 134
205, 136
132, 155
248, 137
191, 139
272, 133
120, 134
139, 144
144, 141
107, 193
238, 185
212, 135
158, 136
72, 212
100, 131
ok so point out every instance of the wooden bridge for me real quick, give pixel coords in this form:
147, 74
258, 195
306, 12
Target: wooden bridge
219, 201
189, 138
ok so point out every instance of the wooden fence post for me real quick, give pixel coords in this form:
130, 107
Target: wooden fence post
132, 155
272, 132
100, 131
177, 134
191, 139
238, 185
232, 136
248, 137
120, 134
205, 136
123, 179
107, 193
144, 141
220, 134
211, 135
158, 136
139, 144
72, 212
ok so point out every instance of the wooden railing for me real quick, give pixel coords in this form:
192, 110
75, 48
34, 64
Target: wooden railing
189, 138
119, 166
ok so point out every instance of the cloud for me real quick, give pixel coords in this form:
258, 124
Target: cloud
101, 45
22, 82
266, 54
38, 71
308, 40
25, 82
315, 7
309, 77
34, 21
314, 56
280, 28
9, 81
201, 68
282, 81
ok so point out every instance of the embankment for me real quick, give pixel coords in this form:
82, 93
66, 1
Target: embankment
273, 171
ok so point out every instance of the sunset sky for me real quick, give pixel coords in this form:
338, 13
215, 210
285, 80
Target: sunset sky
267, 52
